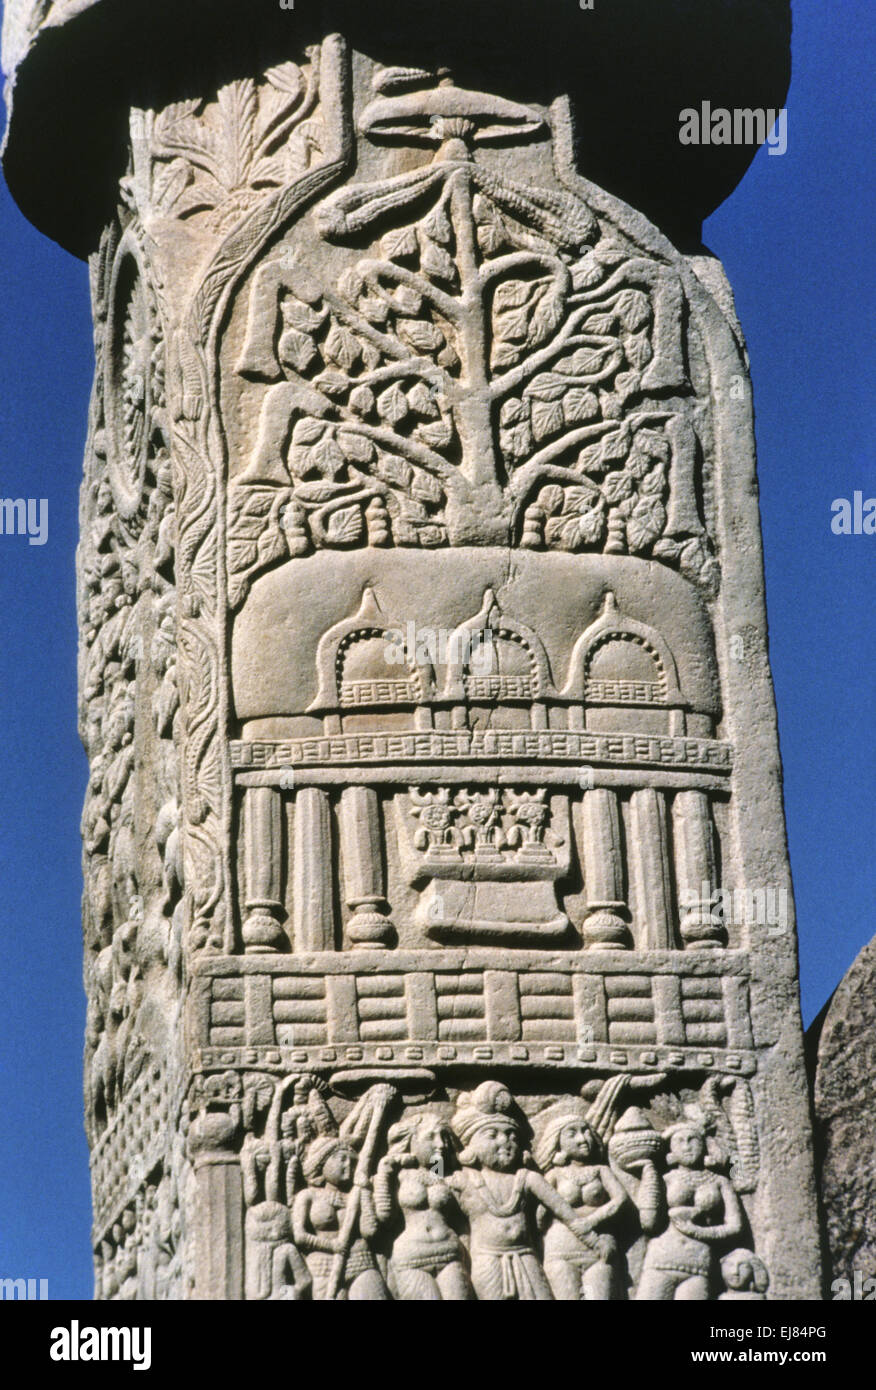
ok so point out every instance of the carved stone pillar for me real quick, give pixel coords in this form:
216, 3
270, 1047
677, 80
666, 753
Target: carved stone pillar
263, 826
607, 921
312, 883
650, 871
695, 870
362, 842
419, 478
217, 1206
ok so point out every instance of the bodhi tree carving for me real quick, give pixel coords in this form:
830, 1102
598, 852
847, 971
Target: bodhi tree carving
496, 369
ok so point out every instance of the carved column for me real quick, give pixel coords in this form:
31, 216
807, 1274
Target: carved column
362, 846
695, 870
217, 1207
650, 871
380, 360
607, 921
312, 881
263, 828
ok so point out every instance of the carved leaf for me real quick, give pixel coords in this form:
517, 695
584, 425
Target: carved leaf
422, 402
170, 182
517, 441
625, 383
654, 444
615, 445
427, 489
436, 262
345, 526
515, 325
580, 404
437, 226
491, 237
581, 499
448, 358
271, 546
573, 532
492, 233
375, 310
362, 400
547, 386
616, 487
437, 434
296, 350
355, 447
333, 383
548, 313
392, 404
341, 347
666, 549
308, 431
586, 361
514, 412
315, 492
637, 348
421, 335
327, 457
654, 484
242, 554
550, 499
407, 301
633, 308
601, 323
646, 522
287, 78
370, 356
587, 272
410, 509
513, 294
547, 418
301, 316
639, 461
399, 244
611, 405
237, 111
394, 470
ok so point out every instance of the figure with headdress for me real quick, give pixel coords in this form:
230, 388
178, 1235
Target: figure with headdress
318, 1223
427, 1261
333, 1217
569, 1152
501, 1197
299, 1123
702, 1211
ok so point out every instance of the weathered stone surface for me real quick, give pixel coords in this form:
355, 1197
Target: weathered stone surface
845, 1105
425, 686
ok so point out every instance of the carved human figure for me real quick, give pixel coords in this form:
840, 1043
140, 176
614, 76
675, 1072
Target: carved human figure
746, 1278
427, 1255
702, 1211
318, 1225
501, 1197
568, 1152
274, 1268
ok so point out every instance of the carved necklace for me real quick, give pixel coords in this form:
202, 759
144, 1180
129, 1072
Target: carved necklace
499, 1208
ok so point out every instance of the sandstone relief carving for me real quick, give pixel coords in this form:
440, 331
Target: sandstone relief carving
418, 522
476, 1198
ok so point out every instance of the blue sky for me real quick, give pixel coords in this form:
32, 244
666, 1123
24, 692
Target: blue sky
797, 241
